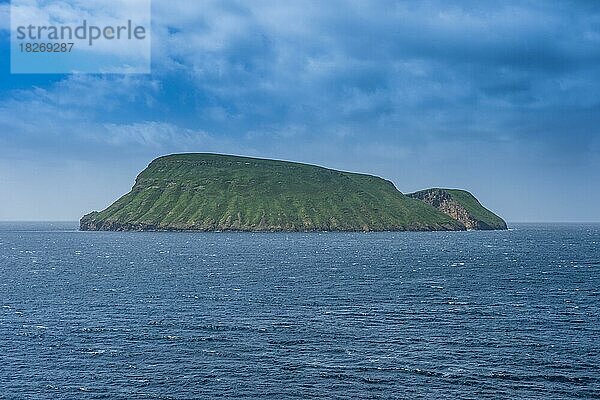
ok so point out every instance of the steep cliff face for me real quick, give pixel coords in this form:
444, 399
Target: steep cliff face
461, 206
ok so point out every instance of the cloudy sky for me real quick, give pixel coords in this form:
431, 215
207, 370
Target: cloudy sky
499, 98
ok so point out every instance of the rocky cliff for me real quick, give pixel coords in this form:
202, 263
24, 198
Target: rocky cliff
461, 206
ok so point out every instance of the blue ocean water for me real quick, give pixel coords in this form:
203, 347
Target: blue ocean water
469, 315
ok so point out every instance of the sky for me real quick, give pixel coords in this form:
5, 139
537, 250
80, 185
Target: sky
498, 98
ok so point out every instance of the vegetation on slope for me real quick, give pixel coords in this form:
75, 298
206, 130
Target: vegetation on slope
462, 206
216, 192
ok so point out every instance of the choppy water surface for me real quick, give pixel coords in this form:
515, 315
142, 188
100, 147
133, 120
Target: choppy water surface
476, 315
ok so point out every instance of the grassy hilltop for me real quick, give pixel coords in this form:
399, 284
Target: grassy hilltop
209, 192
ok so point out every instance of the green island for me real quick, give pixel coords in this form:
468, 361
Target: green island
212, 192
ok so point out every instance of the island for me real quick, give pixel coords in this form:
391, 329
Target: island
214, 192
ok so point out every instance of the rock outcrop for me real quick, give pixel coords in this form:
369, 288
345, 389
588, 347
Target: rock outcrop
461, 206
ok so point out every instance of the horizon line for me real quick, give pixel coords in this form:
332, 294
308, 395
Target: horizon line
77, 221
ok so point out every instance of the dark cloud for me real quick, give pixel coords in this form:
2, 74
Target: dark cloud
326, 64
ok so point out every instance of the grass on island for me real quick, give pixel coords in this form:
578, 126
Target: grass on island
219, 192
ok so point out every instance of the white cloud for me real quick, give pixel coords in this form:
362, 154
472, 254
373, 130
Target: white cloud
153, 134
5, 17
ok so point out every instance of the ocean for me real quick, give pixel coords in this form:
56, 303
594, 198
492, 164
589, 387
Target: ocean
417, 315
